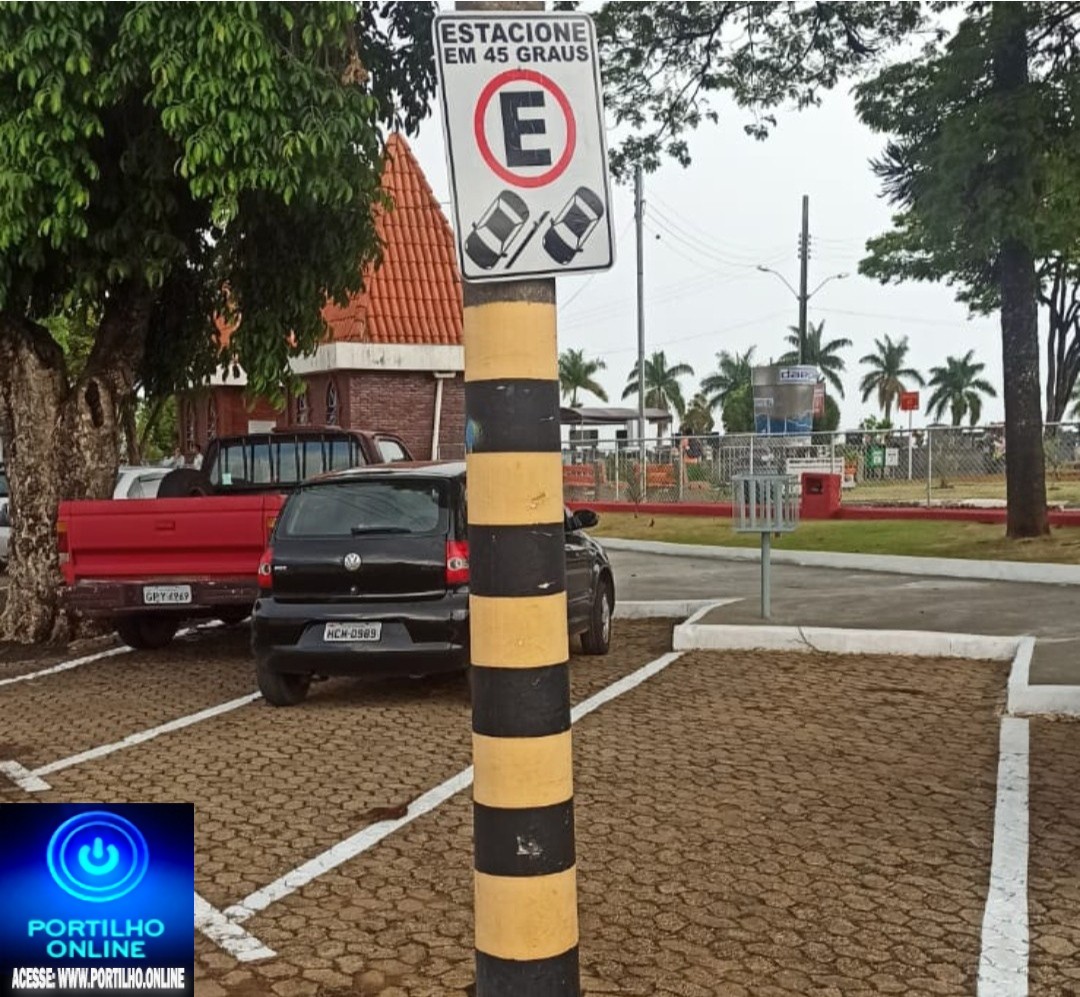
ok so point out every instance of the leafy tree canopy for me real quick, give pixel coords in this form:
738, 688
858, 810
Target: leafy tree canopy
943, 113
218, 159
664, 62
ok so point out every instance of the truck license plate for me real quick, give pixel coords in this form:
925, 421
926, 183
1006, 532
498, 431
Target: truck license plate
351, 632
166, 595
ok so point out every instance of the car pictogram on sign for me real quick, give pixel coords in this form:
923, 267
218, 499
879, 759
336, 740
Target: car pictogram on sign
573, 225
498, 227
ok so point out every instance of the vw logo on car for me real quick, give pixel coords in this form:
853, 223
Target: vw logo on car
352, 562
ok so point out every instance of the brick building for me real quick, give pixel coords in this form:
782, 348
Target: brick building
393, 359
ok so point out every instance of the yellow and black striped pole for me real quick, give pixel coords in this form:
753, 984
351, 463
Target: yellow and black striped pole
523, 793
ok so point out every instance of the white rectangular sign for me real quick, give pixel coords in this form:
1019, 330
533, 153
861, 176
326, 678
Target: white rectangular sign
524, 127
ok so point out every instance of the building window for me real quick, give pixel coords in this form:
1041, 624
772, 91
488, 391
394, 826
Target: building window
331, 404
303, 408
211, 419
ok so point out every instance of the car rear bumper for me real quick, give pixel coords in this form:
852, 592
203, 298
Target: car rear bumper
123, 598
418, 638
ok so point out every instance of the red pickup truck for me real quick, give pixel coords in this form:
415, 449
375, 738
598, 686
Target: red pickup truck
150, 564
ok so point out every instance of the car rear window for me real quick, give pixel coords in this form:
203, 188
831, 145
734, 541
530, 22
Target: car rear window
3, 485
352, 508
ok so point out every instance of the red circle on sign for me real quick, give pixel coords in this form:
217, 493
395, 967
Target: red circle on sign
527, 76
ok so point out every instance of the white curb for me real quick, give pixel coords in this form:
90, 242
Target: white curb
666, 608
1024, 699
891, 564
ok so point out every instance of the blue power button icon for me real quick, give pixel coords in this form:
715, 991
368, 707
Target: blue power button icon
97, 856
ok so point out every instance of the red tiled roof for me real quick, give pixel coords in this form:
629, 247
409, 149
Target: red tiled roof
414, 296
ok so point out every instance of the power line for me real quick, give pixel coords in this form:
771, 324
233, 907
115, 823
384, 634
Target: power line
680, 222
697, 245
904, 318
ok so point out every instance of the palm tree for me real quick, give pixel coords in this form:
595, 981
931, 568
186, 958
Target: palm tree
887, 373
576, 374
818, 354
662, 388
958, 386
734, 371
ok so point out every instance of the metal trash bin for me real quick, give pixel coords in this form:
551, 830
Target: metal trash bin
765, 504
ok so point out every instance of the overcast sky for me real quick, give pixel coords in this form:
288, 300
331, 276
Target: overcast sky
737, 205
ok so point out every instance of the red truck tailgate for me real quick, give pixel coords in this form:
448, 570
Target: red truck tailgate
161, 538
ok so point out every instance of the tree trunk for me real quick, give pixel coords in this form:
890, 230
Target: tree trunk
1025, 468
64, 444
1062, 339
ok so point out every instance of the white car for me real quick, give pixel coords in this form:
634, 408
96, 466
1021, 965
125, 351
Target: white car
134, 482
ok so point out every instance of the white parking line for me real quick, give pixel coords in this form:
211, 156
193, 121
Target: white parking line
1003, 961
371, 835
87, 659
228, 934
352, 846
64, 666
30, 779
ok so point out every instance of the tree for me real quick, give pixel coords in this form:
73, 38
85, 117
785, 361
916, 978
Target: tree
664, 61
983, 162
887, 373
662, 388
958, 387
166, 164
698, 420
576, 373
733, 371
829, 420
818, 354
737, 414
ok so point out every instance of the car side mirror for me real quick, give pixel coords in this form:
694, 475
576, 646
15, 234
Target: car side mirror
585, 519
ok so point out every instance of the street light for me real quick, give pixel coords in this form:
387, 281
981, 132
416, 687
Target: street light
802, 297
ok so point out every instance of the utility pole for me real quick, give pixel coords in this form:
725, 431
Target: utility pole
804, 268
639, 221
525, 871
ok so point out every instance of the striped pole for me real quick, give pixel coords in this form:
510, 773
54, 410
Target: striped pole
523, 794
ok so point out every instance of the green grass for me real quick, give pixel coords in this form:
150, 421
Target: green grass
917, 538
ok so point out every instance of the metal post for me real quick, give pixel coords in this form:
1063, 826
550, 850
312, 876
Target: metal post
766, 580
526, 917
804, 273
910, 441
929, 463
639, 222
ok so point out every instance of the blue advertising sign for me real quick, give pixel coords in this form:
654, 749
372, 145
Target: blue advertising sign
97, 899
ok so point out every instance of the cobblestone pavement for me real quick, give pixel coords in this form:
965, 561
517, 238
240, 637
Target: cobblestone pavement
1054, 884
748, 823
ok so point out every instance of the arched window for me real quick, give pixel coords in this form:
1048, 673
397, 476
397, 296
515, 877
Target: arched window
211, 418
303, 407
331, 404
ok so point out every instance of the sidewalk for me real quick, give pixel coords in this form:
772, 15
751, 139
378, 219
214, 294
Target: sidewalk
824, 597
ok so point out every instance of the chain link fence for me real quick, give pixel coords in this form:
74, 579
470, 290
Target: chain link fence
940, 466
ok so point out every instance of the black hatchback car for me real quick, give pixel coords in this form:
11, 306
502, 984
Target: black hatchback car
368, 574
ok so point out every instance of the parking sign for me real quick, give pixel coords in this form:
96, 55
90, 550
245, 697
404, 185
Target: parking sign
524, 127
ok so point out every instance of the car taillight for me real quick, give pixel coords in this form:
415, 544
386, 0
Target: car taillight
457, 562
62, 537
266, 569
